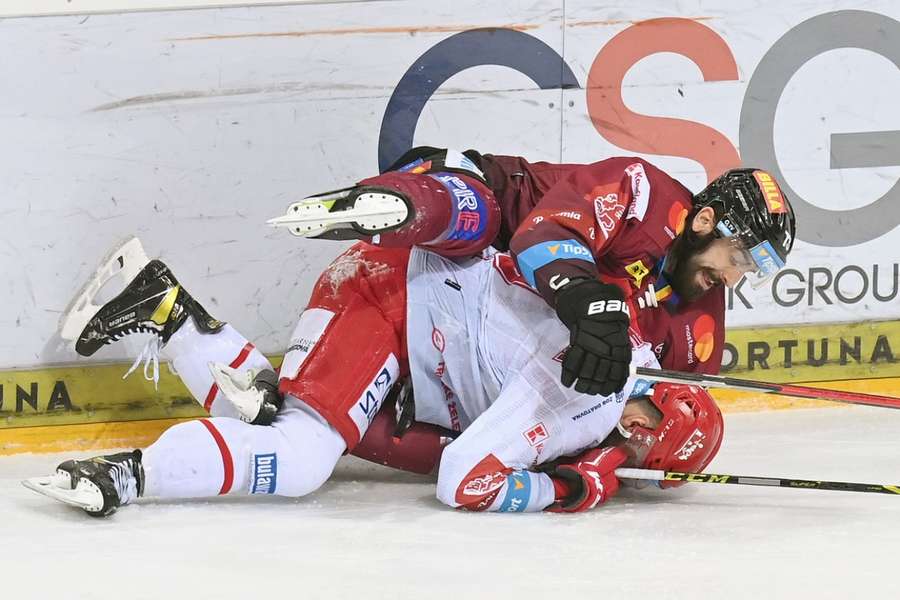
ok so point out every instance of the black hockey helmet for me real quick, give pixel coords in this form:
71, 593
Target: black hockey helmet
752, 210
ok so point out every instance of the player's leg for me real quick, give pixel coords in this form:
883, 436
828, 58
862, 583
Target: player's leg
205, 458
292, 457
349, 346
433, 198
154, 302
347, 351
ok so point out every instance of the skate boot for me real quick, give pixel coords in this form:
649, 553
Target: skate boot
348, 214
152, 302
98, 485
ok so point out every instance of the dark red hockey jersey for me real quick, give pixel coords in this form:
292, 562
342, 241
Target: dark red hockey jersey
615, 219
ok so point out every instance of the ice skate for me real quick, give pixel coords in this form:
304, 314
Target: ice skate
98, 485
152, 302
347, 214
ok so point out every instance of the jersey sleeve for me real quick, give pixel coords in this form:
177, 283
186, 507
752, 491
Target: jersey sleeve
534, 420
577, 221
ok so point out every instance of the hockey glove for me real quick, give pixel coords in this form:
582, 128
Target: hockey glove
256, 398
587, 482
599, 353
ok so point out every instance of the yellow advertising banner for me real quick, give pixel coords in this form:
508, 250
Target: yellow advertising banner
807, 353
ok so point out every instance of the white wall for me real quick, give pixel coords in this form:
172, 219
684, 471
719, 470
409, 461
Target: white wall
191, 127
27, 8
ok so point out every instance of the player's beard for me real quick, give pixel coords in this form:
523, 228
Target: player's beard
682, 264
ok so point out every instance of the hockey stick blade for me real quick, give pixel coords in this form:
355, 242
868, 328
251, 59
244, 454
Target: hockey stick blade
798, 484
747, 385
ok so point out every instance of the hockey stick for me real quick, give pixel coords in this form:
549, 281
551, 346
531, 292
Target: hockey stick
747, 385
802, 484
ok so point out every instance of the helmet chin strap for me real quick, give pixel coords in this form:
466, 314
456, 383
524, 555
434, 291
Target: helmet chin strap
622, 431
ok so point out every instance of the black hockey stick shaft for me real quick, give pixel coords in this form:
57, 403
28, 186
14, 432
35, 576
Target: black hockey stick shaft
747, 385
800, 484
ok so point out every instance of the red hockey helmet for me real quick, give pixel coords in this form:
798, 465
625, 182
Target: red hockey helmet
688, 436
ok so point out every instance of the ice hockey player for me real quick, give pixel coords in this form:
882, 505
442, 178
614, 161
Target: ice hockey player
483, 351
618, 248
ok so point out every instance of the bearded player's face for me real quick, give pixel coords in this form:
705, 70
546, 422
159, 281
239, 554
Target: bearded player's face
718, 261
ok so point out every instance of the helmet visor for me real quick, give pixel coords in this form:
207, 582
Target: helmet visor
757, 261
638, 443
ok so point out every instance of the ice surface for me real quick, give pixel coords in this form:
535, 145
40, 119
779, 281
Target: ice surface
375, 533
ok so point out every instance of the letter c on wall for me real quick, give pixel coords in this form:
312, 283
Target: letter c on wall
491, 46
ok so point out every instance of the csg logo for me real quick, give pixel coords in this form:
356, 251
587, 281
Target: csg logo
701, 339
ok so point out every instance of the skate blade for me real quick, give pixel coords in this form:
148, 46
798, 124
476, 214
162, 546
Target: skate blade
372, 212
85, 496
126, 260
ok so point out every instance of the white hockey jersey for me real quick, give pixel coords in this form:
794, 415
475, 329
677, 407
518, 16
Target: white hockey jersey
477, 336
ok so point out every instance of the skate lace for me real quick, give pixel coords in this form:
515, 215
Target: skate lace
150, 356
124, 481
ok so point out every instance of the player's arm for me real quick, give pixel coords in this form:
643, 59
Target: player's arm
573, 226
556, 249
490, 466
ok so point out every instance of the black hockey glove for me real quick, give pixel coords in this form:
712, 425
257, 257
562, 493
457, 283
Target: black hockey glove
599, 353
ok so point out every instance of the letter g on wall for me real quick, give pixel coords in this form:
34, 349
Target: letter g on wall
830, 31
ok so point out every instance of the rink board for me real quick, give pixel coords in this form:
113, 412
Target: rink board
84, 407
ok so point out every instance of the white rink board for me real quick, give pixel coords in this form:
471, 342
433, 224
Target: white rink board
191, 127
372, 533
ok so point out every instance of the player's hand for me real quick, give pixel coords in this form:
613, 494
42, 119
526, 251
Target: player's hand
588, 481
255, 396
599, 353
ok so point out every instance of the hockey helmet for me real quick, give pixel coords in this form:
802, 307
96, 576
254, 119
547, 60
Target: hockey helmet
688, 435
755, 215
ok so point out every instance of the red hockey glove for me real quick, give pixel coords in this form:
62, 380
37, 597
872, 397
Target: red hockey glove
588, 481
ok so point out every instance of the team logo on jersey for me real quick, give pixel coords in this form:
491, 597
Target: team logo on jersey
265, 474
608, 211
693, 443
701, 339
774, 200
536, 435
437, 338
638, 271
484, 480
